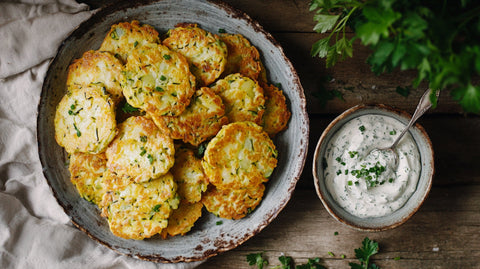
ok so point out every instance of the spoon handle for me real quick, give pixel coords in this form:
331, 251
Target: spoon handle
423, 105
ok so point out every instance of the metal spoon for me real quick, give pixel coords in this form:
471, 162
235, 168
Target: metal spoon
423, 105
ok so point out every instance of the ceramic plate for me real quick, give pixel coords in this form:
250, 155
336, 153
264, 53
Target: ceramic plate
206, 238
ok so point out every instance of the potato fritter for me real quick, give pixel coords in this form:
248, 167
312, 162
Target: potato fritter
242, 57
99, 68
276, 114
201, 120
85, 120
138, 210
86, 172
241, 155
188, 174
233, 203
140, 151
126, 36
205, 52
182, 219
243, 98
158, 81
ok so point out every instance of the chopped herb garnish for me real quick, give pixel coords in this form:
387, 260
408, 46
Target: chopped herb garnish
393, 132
339, 172
163, 78
159, 89
331, 254
156, 208
135, 44
143, 138
150, 158
127, 108
143, 151
361, 128
222, 31
370, 175
167, 57
201, 150
353, 154
219, 222
113, 35
78, 131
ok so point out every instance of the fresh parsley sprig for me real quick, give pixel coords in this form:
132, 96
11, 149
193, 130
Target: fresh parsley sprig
286, 262
364, 253
438, 39
257, 260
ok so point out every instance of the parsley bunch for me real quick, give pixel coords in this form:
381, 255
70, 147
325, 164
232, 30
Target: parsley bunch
438, 39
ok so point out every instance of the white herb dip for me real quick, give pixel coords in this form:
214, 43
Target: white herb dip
369, 185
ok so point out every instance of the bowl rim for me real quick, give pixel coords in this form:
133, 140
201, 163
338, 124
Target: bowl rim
291, 181
322, 194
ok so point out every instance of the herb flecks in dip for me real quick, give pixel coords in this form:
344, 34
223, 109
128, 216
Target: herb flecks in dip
365, 183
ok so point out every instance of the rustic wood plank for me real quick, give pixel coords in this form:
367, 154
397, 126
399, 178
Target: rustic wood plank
305, 230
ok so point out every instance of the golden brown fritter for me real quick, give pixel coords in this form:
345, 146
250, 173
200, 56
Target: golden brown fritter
86, 174
138, 210
99, 68
158, 81
205, 52
241, 155
242, 57
85, 120
233, 203
182, 219
276, 114
140, 151
188, 174
201, 120
242, 96
126, 36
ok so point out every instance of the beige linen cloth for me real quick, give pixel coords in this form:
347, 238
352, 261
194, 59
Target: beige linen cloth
34, 230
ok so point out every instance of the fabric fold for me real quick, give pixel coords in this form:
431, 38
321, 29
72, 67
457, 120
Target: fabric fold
34, 230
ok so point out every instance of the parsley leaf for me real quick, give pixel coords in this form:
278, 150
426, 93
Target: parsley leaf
256, 259
311, 264
286, 262
364, 253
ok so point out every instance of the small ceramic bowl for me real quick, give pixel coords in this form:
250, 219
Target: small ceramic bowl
411, 206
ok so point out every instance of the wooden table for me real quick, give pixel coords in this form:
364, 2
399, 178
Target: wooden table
445, 232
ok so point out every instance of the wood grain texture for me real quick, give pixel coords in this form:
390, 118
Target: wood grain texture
445, 232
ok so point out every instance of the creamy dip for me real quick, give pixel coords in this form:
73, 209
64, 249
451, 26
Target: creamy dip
367, 183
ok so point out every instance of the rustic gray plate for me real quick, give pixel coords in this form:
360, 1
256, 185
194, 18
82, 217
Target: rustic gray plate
206, 238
